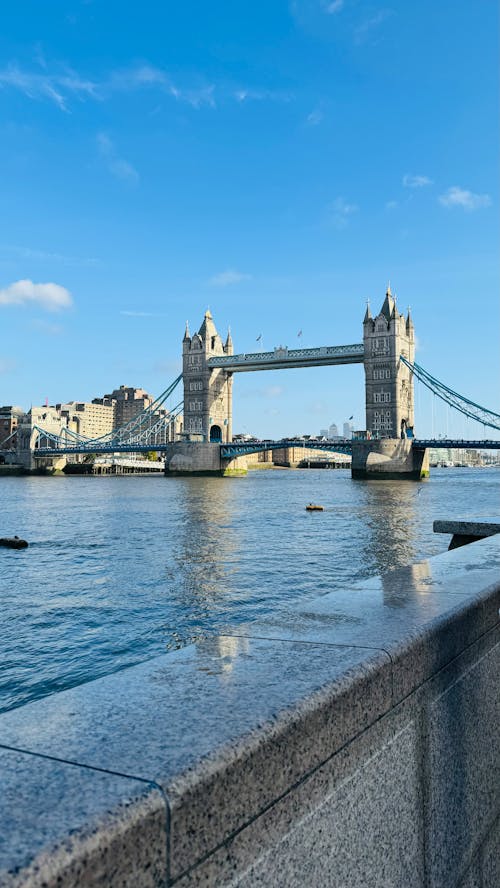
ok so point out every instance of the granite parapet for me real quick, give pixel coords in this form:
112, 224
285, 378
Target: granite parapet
281, 742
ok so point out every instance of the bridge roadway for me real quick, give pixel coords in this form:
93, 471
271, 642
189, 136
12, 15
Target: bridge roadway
283, 357
238, 448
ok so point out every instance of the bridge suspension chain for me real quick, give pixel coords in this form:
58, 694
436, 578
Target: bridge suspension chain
454, 399
146, 427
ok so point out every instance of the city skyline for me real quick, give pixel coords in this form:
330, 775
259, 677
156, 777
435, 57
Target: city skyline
234, 159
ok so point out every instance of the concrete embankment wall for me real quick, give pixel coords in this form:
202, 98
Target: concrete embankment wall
351, 742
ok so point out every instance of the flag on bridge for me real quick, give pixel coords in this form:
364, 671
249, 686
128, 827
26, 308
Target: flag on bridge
259, 337
299, 333
351, 417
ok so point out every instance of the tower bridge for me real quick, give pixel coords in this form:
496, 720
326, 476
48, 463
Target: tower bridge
209, 365
388, 448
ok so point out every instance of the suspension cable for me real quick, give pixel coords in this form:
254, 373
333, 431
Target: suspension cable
454, 399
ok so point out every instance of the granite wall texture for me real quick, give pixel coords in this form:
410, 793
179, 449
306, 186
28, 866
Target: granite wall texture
353, 742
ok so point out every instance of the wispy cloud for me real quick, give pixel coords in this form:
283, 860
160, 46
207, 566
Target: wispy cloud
332, 7
247, 94
341, 211
50, 296
116, 165
315, 117
461, 197
391, 205
45, 256
410, 181
62, 85
364, 31
229, 277
58, 87
139, 314
149, 76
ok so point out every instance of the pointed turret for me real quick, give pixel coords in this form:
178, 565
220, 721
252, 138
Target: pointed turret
207, 328
228, 347
388, 306
368, 313
409, 322
187, 334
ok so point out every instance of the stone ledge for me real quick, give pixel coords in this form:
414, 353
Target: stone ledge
66, 825
227, 727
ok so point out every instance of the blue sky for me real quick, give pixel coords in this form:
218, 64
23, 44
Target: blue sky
276, 160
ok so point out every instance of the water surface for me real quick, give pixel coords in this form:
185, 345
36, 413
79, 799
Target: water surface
120, 569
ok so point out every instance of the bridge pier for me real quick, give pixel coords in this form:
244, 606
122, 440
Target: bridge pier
31, 464
388, 459
191, 458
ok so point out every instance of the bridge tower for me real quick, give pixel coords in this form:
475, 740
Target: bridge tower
388, 382
208, 392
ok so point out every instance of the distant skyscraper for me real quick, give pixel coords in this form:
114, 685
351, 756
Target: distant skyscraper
348, 429
333, 431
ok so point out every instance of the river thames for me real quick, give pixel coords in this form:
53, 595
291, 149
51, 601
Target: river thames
121, 569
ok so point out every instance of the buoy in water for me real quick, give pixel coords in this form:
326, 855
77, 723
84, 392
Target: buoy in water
314, 508
13, 543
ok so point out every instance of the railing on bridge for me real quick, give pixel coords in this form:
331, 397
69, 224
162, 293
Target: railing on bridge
283, 357
455, 444
242, 448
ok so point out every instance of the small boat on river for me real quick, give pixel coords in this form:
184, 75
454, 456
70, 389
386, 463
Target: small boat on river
312, 507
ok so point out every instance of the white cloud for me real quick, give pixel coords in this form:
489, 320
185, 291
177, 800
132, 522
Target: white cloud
391, 205
333, 6
341, 210
315, 117
365, 29
226, 278
50, 296
140, 314
56, 87
416, 181
148, 76
460, 197
62, 85
246, 94
44, 256
117, 166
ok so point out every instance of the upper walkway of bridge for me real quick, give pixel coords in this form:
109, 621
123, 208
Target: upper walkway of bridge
283, 357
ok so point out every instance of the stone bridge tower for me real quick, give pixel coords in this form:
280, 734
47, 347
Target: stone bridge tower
388, 382
208, 393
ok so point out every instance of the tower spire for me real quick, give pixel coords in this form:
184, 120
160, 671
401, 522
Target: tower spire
228, 347
187, 334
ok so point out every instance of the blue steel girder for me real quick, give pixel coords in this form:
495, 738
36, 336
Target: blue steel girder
241, 449
283, 357
104, 448
455, 444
